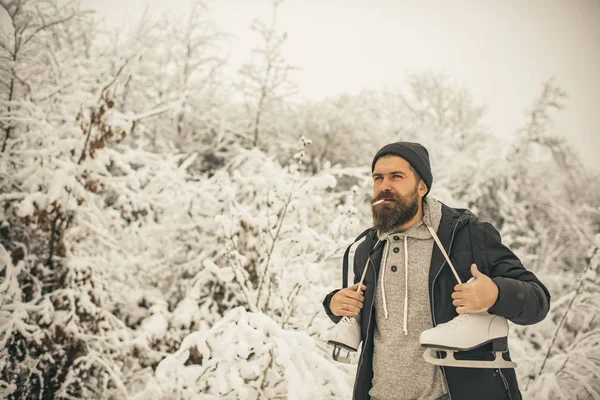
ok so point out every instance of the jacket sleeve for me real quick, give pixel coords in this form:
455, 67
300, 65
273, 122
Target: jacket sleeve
326, 302
522, 298
328, 297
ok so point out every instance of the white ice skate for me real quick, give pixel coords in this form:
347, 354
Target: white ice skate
466, 332
345, 337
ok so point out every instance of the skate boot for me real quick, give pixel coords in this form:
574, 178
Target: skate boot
467, 332
345, 336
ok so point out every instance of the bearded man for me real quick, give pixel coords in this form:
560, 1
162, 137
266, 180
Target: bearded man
408, 287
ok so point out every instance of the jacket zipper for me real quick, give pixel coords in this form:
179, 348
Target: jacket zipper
368, 323
433, 304
505, 384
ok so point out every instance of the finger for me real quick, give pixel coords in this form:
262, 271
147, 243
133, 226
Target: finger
354, 287
474, 271
348, 308
458, 287
348, 302
353, 309
348, 314
353, 302
462, 309
344, 313
458, 303
355, 296
458, 295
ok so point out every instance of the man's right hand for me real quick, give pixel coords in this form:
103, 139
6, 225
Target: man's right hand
347, 302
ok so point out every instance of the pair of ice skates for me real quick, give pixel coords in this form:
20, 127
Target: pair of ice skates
464, 332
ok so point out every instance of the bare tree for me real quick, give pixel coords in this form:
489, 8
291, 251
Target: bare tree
265, 82
200, 59
537, 129
176, 62
446, 107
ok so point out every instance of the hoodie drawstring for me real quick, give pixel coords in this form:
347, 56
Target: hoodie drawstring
385, 310
383, 261
405, 285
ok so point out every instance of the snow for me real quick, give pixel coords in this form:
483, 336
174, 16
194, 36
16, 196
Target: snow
243, 354
181, 261
154, 324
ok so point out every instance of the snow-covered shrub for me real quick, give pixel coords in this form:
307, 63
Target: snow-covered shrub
570, 364
265, 218
58, 339
211, 248
247, 355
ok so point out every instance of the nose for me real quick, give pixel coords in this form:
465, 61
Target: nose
386, 185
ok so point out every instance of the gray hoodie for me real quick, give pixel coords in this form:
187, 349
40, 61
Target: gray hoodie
402, 312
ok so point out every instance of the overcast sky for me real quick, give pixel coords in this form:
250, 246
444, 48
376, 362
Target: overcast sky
502, 50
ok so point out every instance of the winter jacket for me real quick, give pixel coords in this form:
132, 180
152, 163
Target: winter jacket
522, 299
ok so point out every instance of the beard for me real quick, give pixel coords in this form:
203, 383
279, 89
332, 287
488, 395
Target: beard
387, 217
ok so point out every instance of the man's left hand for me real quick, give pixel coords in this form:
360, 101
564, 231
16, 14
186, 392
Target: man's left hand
478, 295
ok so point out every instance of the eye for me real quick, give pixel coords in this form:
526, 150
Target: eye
397, 176
377, 178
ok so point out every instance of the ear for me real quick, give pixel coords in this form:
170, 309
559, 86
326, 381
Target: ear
422, 188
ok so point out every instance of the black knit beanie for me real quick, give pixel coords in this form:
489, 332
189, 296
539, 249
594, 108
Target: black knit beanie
414, 153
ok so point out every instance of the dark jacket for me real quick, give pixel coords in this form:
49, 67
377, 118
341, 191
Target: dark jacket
522, 299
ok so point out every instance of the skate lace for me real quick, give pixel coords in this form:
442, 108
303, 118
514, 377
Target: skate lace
457, 321
348, 321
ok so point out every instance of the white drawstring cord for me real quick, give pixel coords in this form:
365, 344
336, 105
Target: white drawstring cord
439, 244
362, 278
405, 285
437, 241
382, 267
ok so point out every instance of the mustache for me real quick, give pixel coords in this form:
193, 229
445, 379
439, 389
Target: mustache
385, 196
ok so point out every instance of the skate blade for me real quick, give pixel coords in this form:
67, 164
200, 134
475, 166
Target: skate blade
341, 345
450, 361
336, 355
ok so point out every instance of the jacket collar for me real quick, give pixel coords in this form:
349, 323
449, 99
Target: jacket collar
452, 218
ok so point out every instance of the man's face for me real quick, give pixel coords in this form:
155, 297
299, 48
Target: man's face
394, 181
